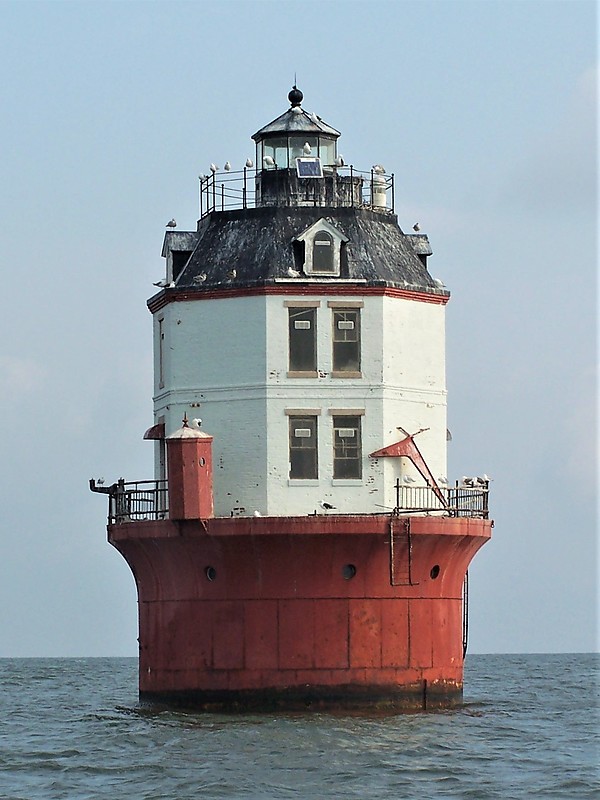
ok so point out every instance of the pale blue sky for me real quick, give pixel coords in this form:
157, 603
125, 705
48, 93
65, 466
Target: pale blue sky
485, 112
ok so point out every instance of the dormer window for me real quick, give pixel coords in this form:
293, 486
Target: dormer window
322, 248
322, 257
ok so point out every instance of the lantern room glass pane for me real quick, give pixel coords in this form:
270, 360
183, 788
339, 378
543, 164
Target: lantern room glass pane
327, 152
278, 150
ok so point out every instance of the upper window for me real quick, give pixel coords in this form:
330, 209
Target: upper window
347, 448
322, 257
161, 352
303, 339
303, 447
322, 248
346, 340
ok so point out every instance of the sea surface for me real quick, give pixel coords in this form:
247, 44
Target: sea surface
72, 729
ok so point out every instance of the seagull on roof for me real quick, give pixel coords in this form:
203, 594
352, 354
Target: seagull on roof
227, 166
416, 227
200, 278
293, 273
314, 118
249, 163
231, 275
327, 506
171, 224
196, 423
161, 284
306, 149
439, 282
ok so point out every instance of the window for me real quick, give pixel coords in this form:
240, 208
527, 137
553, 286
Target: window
346, 340
303, 447
347, 449
303, 339
322, 260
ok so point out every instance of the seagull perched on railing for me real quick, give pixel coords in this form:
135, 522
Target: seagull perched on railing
214, 168
339, 162
227, 166
408, 479
249, 163
378, 169
268, 161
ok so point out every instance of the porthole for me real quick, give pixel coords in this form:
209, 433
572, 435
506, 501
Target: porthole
348, 571
211, 573
202, 462
434, 572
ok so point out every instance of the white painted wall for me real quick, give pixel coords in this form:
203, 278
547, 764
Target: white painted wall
231, 356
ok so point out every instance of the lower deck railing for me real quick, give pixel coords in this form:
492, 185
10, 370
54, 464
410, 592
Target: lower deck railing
149, 500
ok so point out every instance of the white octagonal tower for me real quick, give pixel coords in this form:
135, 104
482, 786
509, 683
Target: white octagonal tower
300, 323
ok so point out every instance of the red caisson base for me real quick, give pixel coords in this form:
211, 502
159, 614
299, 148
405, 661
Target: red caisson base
322, 612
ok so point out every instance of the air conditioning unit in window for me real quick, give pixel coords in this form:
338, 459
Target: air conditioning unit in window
302, 324
346, 433
346, 325
302, 433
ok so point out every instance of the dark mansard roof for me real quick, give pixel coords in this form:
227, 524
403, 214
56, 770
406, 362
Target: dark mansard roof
258, 244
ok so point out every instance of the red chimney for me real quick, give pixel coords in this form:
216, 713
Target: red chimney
189, 463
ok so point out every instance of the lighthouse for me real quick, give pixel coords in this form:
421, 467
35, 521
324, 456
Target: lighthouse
300, 545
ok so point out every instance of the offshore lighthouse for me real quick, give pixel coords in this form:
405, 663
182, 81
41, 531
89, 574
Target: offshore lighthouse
300, 546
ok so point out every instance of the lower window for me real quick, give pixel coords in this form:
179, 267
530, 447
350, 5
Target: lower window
347, 448
303, 447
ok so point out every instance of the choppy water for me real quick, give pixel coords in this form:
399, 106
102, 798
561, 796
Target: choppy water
71, 728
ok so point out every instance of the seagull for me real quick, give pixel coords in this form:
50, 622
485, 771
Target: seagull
443, 480
483, 479
296, 110
408, 479
249, 163
257, 514
161, 284
200, 278
439, 282
201, 176
227, 166
196, 423
213, 168
231, 275
326, 506
293, 273
339, 162
99, 481
314, 118
171, 224
416, 227
467, 481
268, 161
306, 149
378, 169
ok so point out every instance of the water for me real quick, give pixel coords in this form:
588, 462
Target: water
71, 728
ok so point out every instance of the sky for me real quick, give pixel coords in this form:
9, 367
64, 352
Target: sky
486, 112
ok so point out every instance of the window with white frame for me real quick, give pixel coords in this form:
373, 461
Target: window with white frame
347, 446
304, 463
346, 340
302, 323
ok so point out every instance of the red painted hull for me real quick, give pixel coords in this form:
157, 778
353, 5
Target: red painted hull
264, 613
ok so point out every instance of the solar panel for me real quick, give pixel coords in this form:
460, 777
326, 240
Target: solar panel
309, 167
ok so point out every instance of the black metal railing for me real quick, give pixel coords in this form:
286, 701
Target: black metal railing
228, 191
455, 501
135, 501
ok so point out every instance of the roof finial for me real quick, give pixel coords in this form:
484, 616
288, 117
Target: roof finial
295, 96
184, 421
